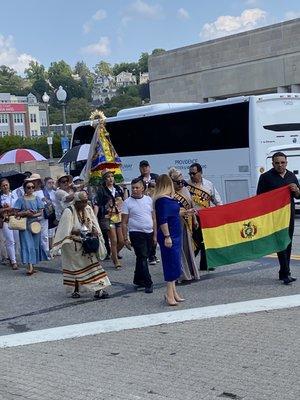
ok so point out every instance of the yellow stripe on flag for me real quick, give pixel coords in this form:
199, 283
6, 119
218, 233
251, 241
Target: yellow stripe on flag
245, 231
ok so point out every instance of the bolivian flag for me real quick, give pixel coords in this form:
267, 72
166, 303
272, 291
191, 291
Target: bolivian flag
247, 229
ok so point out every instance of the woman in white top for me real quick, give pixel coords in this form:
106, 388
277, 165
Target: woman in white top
8, 200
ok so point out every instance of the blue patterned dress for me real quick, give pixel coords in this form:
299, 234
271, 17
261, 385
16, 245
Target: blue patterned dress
30, 243
167, 211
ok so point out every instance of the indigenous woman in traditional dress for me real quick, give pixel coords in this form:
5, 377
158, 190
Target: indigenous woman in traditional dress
7, 201
169, 235
31, 207
81, 271
182, 195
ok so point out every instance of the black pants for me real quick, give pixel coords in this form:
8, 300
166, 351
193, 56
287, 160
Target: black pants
284, 256
198, 239
152, 253
141, 243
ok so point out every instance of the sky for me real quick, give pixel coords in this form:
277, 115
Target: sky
120, 30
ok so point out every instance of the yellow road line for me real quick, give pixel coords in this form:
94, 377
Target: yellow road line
293, 256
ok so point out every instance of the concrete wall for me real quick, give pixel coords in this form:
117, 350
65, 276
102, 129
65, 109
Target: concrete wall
259, 61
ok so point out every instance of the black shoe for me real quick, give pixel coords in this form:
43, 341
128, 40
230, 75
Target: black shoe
286, 281
107, 258
75, 295
291, 279
139, 284
149, 289
101, 294
119, 257
211, 269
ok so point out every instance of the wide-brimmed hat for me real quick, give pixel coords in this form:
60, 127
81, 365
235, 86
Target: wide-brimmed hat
33, 177
70, 178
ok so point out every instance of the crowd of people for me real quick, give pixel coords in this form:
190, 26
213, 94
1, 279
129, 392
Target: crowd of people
45, 218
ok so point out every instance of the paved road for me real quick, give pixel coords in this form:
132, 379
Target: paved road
39, 301
244, 357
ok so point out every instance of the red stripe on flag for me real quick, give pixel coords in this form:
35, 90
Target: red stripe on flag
245, 209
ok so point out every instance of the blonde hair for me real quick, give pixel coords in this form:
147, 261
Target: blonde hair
164, 187
174, 173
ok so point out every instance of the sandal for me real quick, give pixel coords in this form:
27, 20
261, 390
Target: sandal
29, 272
118, 266
75, 295
101, 294
14, 266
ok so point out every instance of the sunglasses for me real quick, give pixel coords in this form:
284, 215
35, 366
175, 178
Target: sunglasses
179, 182
193, 173
30, 187
64, 181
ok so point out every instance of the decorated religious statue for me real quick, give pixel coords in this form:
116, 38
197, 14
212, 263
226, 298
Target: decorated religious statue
102, 155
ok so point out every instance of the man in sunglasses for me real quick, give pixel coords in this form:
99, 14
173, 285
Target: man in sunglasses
204, 195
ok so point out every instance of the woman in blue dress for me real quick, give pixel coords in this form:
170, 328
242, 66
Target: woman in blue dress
31, 207
169, 235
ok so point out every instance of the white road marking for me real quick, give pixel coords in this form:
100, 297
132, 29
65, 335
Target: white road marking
142, 321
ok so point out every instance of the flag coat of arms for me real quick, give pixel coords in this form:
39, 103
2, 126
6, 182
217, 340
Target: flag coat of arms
247, 229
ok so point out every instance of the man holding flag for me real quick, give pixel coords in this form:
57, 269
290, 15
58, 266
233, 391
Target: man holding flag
277, 177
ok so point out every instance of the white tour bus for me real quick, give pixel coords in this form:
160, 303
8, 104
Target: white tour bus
232, 139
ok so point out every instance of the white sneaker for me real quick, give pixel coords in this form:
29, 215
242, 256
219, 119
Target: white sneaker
152, 262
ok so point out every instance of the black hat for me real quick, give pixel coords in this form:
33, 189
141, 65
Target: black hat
144, 163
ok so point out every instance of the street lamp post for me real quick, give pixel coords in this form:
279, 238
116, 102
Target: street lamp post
61, 95
46, 99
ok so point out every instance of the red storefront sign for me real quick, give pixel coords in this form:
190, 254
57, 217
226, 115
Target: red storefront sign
12, 108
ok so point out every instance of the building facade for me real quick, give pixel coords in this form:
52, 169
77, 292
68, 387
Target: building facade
125, 78
264, 60
20, 115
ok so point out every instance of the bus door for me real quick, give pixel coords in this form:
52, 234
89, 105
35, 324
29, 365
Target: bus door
235, 188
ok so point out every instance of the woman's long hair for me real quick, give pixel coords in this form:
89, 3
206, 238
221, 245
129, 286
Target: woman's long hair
164, 187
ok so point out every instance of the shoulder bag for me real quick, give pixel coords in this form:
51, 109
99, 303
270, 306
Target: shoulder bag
17, 223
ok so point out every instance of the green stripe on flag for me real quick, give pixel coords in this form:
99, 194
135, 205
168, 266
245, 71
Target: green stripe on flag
250, 250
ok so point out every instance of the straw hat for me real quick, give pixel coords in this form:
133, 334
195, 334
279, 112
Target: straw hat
70, 178
33, 177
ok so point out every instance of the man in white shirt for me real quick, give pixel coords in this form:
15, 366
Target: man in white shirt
138, 218
204, 195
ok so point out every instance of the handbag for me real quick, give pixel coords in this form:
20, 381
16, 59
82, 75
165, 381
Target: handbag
90, 244
17, 223
35, 227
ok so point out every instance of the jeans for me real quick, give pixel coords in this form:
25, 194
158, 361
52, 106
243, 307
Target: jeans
141, 243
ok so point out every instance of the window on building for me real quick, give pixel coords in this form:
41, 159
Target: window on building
3, 118
32, 117
18, 118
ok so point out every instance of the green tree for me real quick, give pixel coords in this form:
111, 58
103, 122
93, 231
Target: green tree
35, 72
59, 73
143, 62
103, 68
78, 110
132, 67
157, 52
125, 101
10, 82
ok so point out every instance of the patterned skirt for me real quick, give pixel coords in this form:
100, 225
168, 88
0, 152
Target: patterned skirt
85, 269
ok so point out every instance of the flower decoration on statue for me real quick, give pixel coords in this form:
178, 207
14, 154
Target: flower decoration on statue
103, 154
